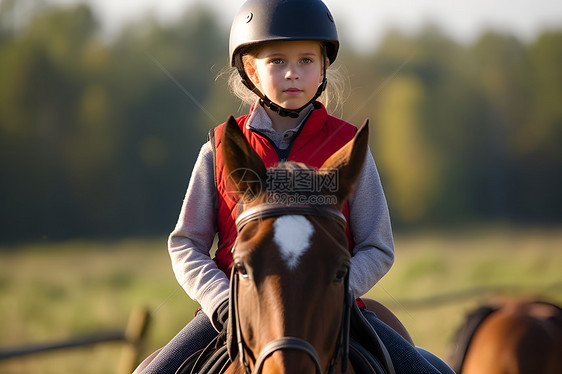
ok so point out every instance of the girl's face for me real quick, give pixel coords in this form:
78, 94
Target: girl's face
287, 72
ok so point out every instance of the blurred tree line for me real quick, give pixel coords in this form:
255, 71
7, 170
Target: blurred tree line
98, 137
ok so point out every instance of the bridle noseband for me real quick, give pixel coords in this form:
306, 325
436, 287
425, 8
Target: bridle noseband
260, 212
284, 344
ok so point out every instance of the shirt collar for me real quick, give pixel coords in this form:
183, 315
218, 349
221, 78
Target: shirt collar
259, 121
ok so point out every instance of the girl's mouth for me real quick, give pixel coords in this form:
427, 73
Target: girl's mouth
292, 91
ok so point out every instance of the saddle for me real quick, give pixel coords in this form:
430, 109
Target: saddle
367, 353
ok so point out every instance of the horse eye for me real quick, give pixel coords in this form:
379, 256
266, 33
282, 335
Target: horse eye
241, 268
341, 273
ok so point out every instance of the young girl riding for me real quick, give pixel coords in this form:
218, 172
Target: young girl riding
281, 50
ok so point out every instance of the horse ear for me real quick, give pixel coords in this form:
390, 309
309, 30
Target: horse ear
244, 168
348, 162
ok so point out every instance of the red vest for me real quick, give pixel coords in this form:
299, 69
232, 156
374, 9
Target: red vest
320, 137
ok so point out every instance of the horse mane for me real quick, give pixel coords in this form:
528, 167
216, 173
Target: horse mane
292, 167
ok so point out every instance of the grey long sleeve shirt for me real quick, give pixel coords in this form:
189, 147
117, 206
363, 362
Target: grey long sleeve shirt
190, 242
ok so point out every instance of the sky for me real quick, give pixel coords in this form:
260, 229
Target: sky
366, 21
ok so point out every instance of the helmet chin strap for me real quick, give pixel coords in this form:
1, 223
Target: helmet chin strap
283, 112
293, 113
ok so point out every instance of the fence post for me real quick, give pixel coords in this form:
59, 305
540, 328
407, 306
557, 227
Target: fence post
134, 335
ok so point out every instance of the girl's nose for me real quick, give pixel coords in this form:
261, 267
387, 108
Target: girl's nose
292, 73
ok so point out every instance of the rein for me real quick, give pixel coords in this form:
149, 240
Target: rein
263, 211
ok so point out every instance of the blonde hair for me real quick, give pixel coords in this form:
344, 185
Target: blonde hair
333, 96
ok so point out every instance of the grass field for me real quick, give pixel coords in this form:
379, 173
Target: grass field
53, 291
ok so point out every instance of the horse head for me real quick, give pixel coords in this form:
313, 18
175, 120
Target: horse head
289, 282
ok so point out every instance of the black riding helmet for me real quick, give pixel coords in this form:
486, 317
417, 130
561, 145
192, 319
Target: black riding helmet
261, 21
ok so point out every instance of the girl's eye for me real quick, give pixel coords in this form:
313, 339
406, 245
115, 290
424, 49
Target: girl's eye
276, 61
306, 60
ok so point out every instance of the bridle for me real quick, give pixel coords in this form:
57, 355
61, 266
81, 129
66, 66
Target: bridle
267, 210
260, 212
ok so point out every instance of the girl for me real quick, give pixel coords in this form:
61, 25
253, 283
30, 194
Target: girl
281, 50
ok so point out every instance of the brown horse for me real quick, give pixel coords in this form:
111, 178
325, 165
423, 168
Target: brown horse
291, 264
514, 337
289, 298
